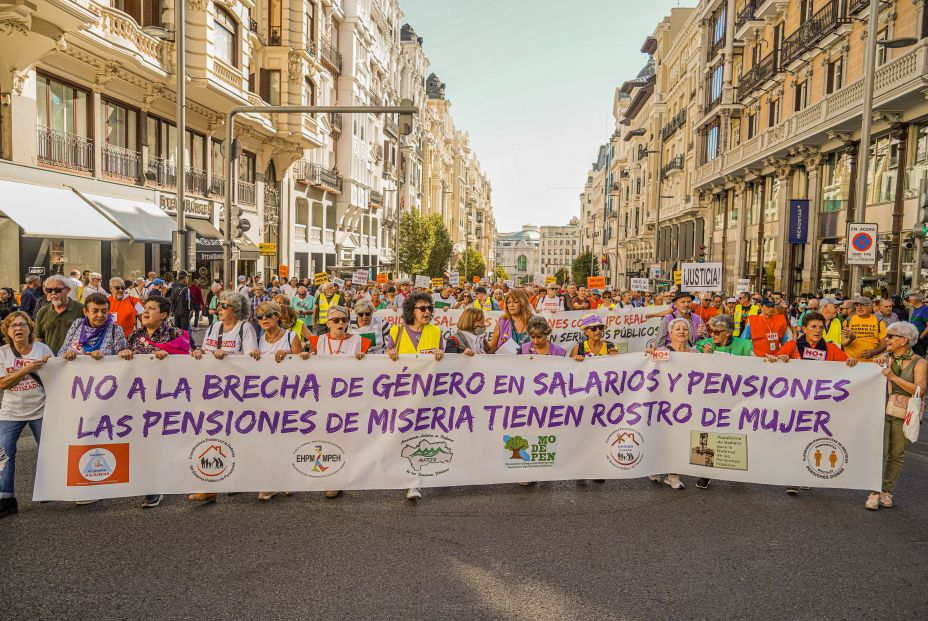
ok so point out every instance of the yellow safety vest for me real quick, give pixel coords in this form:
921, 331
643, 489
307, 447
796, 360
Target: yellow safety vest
487, 305
833, 333
739, 313
429, 341
324, 306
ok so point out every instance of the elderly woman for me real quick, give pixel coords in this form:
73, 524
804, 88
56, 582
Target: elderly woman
513, 325
593, 343
22, 396
418, 335
232, 334
470, 336
212, 304
905, 372
539, 332
95, 334
274, 340
374, 329
722, 341
337, 341
158, 339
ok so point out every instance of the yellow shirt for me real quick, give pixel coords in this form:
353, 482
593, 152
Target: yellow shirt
869, 334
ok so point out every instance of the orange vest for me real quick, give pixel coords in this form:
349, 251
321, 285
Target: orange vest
761, 327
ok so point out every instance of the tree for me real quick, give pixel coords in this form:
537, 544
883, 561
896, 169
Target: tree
471, 264
500, 273
516, 444
562, 276
415, 243
440, 254
584, 265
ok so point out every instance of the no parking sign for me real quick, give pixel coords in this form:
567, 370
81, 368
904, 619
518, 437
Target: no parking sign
861, 243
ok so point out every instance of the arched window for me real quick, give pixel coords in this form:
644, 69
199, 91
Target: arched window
522, 263
225, 35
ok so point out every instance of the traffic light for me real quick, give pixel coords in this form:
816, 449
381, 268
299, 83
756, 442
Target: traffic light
405, 122
923, 207
909, 243
920, 230
701, 254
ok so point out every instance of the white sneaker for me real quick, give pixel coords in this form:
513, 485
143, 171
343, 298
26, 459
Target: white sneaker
873, 501
673, 480
657, 478
85, 502
413, 493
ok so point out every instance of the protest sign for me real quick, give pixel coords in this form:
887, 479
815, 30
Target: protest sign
320, 278
438, 282
454, 279
538, 279
476, 279
550, 279
382, 279
509, 283
338, 282
359, 277
596, 282
743, 286
114, 428
423, 282
705, 277
641, 284
629, 328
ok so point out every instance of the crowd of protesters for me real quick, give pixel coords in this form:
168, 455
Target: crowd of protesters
76, 315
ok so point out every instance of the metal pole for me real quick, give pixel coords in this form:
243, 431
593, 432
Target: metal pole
866, 125
180, 244
227, 207
660, 183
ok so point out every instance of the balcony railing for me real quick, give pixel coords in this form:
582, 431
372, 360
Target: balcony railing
335, 120
812, 31
253, 25
196, 181
162, 172
857, 6
715, 48
642, 152
311, 47
390, 125
747, 14
675, 123
330, 56
64, 150
318, 176
376, 199
217, 185
299, 232
674, 164
121, 163
246, 192
766, 68
274, 36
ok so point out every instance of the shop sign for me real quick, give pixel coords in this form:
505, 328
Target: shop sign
192, 207
209, 249
799, 221
268, 249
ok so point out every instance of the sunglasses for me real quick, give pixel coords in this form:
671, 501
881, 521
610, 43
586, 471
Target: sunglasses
225, 306
339, 320
364, 314
264, 316
118, 288
425, 309
716, 331
54, 290
596, 328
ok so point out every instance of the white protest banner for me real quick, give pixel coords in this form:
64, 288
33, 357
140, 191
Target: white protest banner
539, 279
454, 279
359, 277
423, 282
339, 282
116, 428
509, 283
640, 284
629, 328
706, 277
743, 286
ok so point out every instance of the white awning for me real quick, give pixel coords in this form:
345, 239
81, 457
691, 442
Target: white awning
144, 221
43, 211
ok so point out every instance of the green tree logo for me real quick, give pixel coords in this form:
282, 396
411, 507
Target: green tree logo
516, 444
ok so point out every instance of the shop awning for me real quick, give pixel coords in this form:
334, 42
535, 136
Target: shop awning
203, 228
247, 251
144, 221
43, 211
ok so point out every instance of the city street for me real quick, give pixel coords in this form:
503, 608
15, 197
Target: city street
565, 550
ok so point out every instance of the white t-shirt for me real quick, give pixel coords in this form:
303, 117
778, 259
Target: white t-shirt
284, 343
239, 340
547, 304
288, 290
26, 400
349, 346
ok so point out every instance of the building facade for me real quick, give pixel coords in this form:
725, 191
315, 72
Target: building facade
559, 246
519, 253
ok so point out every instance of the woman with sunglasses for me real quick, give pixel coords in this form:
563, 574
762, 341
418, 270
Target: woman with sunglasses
338, 341
418, 335
513, 325
374, 329
274, 339
593, 343
231, 334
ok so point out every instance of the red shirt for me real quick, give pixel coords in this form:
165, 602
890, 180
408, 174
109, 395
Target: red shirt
705, 312
833, 353
124, 313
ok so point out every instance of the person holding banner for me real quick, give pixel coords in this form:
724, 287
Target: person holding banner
373, 328
232, 334
22, 397
722, 340
511, 331
682, 309
539, 344
767, 331
593, 344
274, 340
96, 334
470, 336
417, 335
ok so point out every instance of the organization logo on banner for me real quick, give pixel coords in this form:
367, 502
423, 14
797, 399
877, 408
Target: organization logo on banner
428, 454
626, 448
529, 451
825, 458
98, 464
318, 459
212, 460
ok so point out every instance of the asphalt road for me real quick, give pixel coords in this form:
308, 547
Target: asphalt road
567, 550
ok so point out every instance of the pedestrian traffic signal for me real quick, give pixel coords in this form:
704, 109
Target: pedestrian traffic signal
405, 122
920, 230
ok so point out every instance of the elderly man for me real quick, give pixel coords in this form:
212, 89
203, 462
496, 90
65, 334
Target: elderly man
767, 331
258, 295
76, 283
918, 316
864, 334
885, 312
95, 286
682, 309
705, 309
833, 323
31, 295
303, 303
122, 305
327, 297
846, 310
53, 320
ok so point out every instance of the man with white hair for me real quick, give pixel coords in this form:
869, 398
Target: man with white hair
53, 320
122, 305
75, 283
94, 286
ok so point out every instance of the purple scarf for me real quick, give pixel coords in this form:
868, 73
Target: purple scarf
90, 338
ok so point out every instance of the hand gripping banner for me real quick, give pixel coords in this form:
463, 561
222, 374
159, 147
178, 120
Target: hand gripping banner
121, 428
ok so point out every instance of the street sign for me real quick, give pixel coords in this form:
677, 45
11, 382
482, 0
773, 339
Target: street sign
338, 282
706, 277
595, 282
641, 284
423, 282
454, 279
359, 277
36, 271
320, 278
656, 271
861, 243
743, 286
267, 249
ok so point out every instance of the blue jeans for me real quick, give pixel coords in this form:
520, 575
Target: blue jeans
10, 430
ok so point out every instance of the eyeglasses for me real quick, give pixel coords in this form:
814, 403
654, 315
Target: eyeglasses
425, 309
711, 331
19, 324
338, 319
54, 290
596, 328
891, 335
225, 306
118, 288
264, 316
364, 314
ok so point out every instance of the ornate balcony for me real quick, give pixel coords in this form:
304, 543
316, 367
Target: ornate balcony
330, 56
675, 123
274, 36
770, 8
318, 176
376, 199
121, 163
810, 32
674, 164
748, 19
335, 121
196, 181
246, 192
64, 150
764, 70
217, 185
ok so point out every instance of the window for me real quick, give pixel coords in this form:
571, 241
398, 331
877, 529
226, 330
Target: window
881, 172
751, 125
773, 112
195, 151
144, 12
270, 86
522, 263
800, 96
712, 142
61, 107
247, 167
835, 76
217, 161
274, 32
121, 126
715, 84
162, 138
309, 93
882, 52
225, 36
310, 24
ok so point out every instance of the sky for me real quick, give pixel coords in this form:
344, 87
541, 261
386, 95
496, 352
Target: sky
532, 82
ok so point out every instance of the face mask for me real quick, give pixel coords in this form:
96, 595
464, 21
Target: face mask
480, 330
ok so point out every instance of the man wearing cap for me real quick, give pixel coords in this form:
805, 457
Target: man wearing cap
918, 316
243, 287
597, 299
483, 302
743, 310
682, 309
767, 331
864, 334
